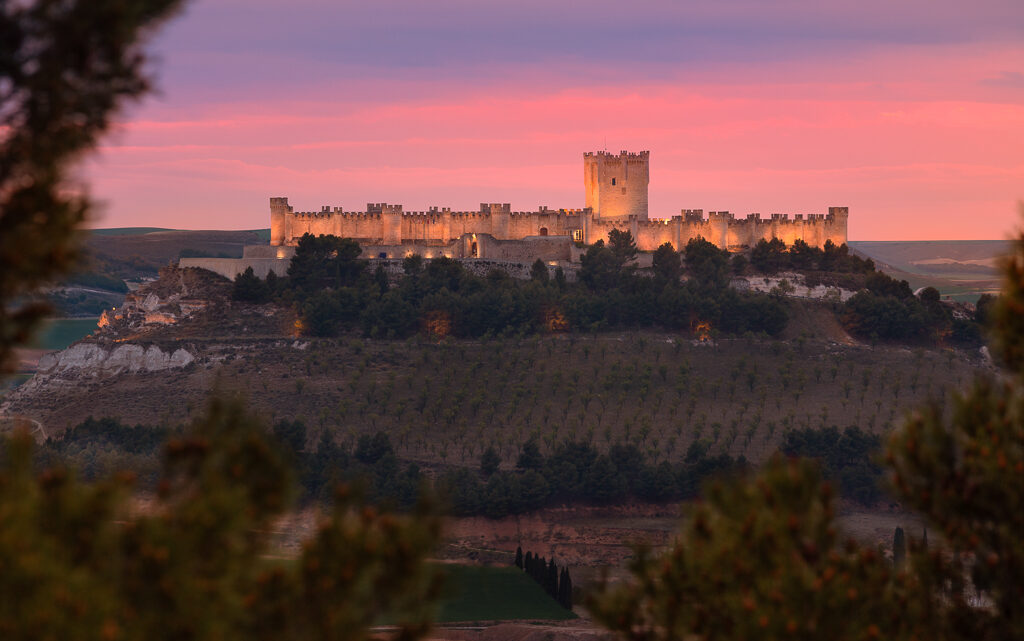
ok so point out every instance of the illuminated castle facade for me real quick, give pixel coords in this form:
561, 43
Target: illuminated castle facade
615, 188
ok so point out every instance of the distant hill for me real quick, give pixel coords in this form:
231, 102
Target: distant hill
924, 255
115, 255
126, 231
960, 269
135, 252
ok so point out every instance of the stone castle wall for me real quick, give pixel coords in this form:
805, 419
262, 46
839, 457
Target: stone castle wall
395, 227
615, 189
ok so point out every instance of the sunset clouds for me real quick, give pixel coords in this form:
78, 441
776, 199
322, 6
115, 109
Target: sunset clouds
914, 117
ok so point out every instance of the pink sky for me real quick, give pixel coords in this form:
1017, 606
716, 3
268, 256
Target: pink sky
919, 131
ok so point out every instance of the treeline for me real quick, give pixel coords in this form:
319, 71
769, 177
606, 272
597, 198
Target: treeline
557, 583
772, 256
334, 292
97, 448
848, 458
371, 467
578, 472
887, 309
572, 472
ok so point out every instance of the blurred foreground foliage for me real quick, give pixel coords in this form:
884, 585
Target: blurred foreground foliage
761, 557
65, 69
82, 561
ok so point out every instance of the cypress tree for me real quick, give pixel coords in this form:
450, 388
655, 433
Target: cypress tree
519, 558
540, 568
551, 580
565, 590
899, 549
528, 563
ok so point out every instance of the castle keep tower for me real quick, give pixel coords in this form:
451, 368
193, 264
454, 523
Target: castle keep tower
616, 186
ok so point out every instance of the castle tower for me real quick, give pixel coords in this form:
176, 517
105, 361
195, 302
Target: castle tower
391, 224
499, 214
279, 211
835, 225
616, 185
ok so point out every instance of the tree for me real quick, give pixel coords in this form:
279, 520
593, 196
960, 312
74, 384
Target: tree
708, 264
622, 246
539, 271
77, 561
551, 579
803, 256
322, 262
191, 567
370, 449
930, 295
519, 557
412, 264
761, 559
66, 69
668, 267
885, 285
739, 264
768, 257
322, 314
899, 549
599, 267
962, 469
560, 278
565, 589
249, 288
530, 457
489, 461
983, 309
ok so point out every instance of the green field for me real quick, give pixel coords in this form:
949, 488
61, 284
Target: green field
495, 594
58, 333
476, 593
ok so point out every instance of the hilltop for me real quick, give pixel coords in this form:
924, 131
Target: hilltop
676, 402
177, 338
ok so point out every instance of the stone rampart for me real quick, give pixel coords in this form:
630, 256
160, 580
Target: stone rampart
615, 189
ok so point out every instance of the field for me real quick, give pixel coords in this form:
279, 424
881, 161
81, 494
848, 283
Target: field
477, 593
473, 593
444, 403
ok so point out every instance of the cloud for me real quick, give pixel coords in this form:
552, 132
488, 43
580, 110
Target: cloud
1014, 79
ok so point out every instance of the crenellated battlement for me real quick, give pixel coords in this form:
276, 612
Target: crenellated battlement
616, 198
622, 155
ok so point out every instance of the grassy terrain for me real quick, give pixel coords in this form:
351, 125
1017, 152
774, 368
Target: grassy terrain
479, 593
474, 593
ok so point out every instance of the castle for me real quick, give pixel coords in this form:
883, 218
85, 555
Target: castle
615, 188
